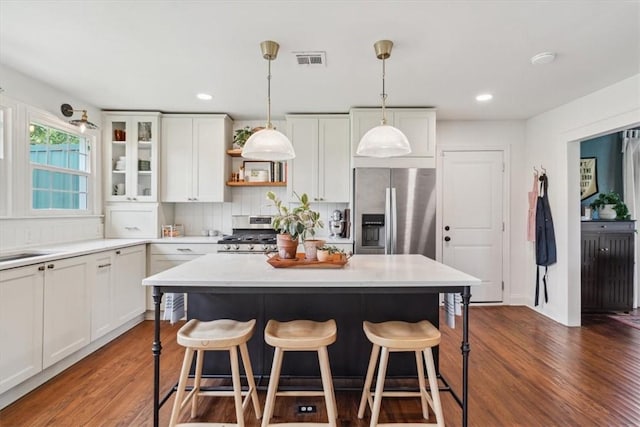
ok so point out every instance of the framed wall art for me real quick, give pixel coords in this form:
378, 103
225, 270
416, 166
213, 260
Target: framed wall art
588, 177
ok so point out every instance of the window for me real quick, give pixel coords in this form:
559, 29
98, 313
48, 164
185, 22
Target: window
60, 168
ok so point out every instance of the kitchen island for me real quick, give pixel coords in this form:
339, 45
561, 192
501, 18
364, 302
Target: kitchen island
386, 278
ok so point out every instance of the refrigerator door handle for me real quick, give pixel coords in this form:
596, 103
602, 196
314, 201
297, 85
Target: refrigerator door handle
394, 222
387, 222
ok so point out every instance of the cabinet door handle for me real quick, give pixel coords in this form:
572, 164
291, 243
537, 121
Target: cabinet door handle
183, 249
604, 249
104, 265
41, 268
50, 266
117, 252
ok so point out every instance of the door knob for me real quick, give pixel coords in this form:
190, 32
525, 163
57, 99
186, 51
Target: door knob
447, 228
447, 238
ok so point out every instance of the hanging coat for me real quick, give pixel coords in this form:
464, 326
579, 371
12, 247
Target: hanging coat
545, 237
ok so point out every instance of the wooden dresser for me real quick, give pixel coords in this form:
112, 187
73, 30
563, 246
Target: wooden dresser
607, 265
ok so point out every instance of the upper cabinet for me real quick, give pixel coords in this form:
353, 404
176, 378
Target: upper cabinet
418, 125
194, 163
321, 167
131, 159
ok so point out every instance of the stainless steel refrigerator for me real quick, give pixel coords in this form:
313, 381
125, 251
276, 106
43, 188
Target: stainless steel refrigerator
394, 211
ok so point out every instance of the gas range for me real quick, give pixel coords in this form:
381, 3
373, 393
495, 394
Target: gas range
251, 234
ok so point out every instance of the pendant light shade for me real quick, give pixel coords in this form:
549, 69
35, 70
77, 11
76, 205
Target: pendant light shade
384, 140
268, 144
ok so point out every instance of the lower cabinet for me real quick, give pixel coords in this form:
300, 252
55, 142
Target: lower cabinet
67, 315
117, 294
21, 303
607, 265
163, 256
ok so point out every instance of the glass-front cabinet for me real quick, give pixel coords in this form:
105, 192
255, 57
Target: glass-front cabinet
131, 166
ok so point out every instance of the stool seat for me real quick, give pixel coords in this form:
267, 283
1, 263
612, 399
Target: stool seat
402, 335
300, 334
398, 336
215, 334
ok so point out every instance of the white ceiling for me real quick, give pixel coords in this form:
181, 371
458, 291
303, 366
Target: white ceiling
156, 55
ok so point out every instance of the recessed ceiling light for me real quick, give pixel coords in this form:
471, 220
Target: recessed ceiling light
204, 96
484, 97
543, 58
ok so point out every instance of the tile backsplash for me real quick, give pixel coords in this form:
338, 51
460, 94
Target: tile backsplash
245, 201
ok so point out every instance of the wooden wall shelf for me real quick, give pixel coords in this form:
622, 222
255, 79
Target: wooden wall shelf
256, 184
236, 152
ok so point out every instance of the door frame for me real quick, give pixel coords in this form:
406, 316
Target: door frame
506, 190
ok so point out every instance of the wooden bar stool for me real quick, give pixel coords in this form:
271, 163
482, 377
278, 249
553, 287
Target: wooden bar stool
418, 337
218, 335
301, 335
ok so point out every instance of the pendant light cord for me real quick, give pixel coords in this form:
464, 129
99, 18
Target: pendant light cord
384, 96
269, 126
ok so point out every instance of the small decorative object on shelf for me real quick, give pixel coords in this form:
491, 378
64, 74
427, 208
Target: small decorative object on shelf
610, 206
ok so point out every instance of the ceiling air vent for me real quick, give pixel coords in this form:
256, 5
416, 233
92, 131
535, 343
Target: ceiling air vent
311, 59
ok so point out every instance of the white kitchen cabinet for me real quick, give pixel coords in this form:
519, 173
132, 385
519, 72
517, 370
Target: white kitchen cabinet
67, 305
131, 142
322, 164
21, 306
128, 292
194, 161
102, 310
163, 256
418, 125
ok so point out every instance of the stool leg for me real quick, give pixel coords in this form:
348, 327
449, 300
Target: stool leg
182, 383
237, 386
377, 398
246, 361
366, 390
423, 386
196, 382
433, 385
273, 386
327, 384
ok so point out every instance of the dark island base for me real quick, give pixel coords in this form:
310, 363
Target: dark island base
349, 355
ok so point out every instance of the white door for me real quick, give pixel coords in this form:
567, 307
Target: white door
472, 218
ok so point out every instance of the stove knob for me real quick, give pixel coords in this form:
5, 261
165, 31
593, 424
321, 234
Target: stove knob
265, 247
250, 247
236, 247
227, 247
273, 248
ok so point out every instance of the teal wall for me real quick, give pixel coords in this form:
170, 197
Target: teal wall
607, 149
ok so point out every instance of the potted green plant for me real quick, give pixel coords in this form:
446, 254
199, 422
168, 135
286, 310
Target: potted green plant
329, 253
240, 136
610, 206
295, 223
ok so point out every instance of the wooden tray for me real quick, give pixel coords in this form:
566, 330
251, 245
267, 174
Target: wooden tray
301, 262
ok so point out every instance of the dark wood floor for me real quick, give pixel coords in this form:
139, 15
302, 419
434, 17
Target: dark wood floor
525, 370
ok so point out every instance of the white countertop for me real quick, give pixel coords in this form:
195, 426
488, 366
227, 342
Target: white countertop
67, 250
229, 270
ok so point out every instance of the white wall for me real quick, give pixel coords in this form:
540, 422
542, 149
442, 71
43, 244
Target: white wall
508, 136
552, 140
16, 231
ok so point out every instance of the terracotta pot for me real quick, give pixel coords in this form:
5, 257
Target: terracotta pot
311, 247
323, 255
287, 247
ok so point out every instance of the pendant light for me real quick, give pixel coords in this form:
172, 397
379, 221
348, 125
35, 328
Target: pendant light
268, 143
84, 123
383, 140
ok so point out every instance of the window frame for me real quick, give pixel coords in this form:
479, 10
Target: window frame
46, 119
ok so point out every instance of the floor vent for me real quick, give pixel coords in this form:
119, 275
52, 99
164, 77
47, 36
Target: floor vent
311, 59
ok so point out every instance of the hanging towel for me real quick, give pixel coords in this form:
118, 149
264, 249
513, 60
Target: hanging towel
173, 307
531, 220
452, 308
545, 237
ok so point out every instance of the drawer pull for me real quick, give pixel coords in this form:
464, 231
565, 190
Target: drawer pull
131, 228
50, 266
183, 250
104, 265
117, 252
41, 268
